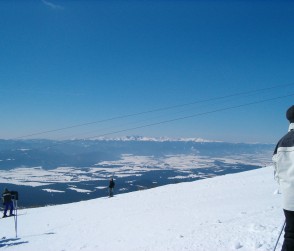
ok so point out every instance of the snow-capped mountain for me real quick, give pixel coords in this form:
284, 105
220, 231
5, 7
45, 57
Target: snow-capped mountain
153, 139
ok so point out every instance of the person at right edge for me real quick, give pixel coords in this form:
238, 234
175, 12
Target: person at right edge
283, 160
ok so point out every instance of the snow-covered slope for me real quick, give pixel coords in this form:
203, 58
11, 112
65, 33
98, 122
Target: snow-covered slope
233, 212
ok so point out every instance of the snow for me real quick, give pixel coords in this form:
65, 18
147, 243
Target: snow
52, 191
128, 165
233, 212
79, 190
152, 139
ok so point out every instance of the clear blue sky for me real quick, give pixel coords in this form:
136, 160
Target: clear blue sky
66, 63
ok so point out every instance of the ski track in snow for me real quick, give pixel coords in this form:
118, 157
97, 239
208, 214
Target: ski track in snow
232, 212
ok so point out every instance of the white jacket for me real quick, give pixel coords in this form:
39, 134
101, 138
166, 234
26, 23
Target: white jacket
283, 160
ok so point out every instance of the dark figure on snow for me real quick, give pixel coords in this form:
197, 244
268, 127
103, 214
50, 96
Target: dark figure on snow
283, 160
111, 187
7, 202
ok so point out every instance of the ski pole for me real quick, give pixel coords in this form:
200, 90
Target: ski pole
15, 216
16, 219
279, 236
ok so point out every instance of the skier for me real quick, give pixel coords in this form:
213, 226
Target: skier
7, 202
283, 160
111, 187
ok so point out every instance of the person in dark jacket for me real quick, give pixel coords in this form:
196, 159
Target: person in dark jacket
7, 202
111, 187
283, 160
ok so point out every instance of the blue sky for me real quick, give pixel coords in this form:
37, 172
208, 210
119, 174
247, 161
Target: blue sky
67, 63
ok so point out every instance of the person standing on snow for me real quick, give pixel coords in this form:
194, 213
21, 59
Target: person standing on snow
7, 202
283, 160
111, 187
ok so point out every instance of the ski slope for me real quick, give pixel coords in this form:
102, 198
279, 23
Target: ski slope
233, 212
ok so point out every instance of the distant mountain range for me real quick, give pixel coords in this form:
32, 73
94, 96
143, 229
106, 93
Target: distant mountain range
154, 139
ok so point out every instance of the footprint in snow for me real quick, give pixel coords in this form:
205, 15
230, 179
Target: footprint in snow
256, 228
257, 245
237, 245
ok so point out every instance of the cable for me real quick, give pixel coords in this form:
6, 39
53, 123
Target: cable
152, 111
194, 115
57, 143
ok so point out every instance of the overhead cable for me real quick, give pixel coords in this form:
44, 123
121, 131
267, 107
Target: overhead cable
152, 111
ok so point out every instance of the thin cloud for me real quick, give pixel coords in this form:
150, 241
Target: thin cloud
52, 5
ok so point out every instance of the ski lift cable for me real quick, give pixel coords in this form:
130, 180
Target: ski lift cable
137, 121
58, 143
193, 115
152, 111
180, 118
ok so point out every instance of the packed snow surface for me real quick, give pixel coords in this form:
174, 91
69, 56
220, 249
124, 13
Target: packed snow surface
232, 212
